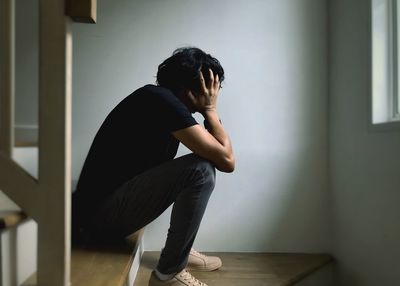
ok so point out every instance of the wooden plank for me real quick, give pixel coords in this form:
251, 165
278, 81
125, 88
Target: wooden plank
54, 203
248, 269
47, 200
7, 66
101, 265
84, 11
104, 265
19, 185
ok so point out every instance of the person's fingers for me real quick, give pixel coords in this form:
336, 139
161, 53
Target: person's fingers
216, 82
211, 83
202, 83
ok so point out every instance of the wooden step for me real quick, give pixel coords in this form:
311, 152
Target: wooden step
101, 265
104, 266
248, 269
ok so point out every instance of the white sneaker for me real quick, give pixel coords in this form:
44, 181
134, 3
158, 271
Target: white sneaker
200, 262
183, 278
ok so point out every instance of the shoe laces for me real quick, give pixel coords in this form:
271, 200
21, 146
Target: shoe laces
194, 252
187, 277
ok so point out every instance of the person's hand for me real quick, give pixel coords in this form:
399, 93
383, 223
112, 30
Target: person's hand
206, 99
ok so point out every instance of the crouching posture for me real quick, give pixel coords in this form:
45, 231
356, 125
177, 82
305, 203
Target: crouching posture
130, 176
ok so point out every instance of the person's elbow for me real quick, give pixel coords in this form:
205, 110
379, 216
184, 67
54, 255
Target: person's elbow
227, 165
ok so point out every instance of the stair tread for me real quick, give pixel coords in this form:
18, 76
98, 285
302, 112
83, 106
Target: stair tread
248, 269
101, 265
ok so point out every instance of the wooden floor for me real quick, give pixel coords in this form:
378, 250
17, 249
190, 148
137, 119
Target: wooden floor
248, 269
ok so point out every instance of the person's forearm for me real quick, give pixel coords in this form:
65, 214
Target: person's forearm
216, 129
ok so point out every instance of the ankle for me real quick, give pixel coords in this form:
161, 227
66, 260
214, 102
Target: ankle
162, 276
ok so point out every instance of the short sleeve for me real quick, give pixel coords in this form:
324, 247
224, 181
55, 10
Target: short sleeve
172, 113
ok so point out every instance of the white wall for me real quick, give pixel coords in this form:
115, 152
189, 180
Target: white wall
365, 164
27, 68
274, 105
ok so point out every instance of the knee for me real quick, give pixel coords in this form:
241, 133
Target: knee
201, 170
208, 172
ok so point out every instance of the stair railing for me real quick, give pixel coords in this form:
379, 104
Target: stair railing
46, 199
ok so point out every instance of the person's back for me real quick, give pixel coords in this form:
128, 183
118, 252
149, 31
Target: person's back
134, 137
130, 175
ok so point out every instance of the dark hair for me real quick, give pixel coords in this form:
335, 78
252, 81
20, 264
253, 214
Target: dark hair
182, 69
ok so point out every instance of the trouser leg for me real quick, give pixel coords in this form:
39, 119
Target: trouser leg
187, 182
187, 213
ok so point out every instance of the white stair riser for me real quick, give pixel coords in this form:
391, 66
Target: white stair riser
135, 265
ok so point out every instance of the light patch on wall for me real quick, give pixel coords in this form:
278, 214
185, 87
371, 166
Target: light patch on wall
385, 79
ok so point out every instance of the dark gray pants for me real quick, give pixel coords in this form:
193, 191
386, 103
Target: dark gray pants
187, 182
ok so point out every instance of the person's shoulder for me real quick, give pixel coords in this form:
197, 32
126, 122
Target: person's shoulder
148, 91
159, 94
154, 95
156, 90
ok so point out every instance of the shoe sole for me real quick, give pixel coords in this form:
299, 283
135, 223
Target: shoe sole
204, 269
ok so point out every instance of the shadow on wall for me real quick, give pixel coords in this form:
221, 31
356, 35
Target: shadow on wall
302, 222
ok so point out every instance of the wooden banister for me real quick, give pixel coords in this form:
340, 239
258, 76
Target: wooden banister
7, 76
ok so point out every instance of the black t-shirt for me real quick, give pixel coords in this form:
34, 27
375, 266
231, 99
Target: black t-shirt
134, 137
